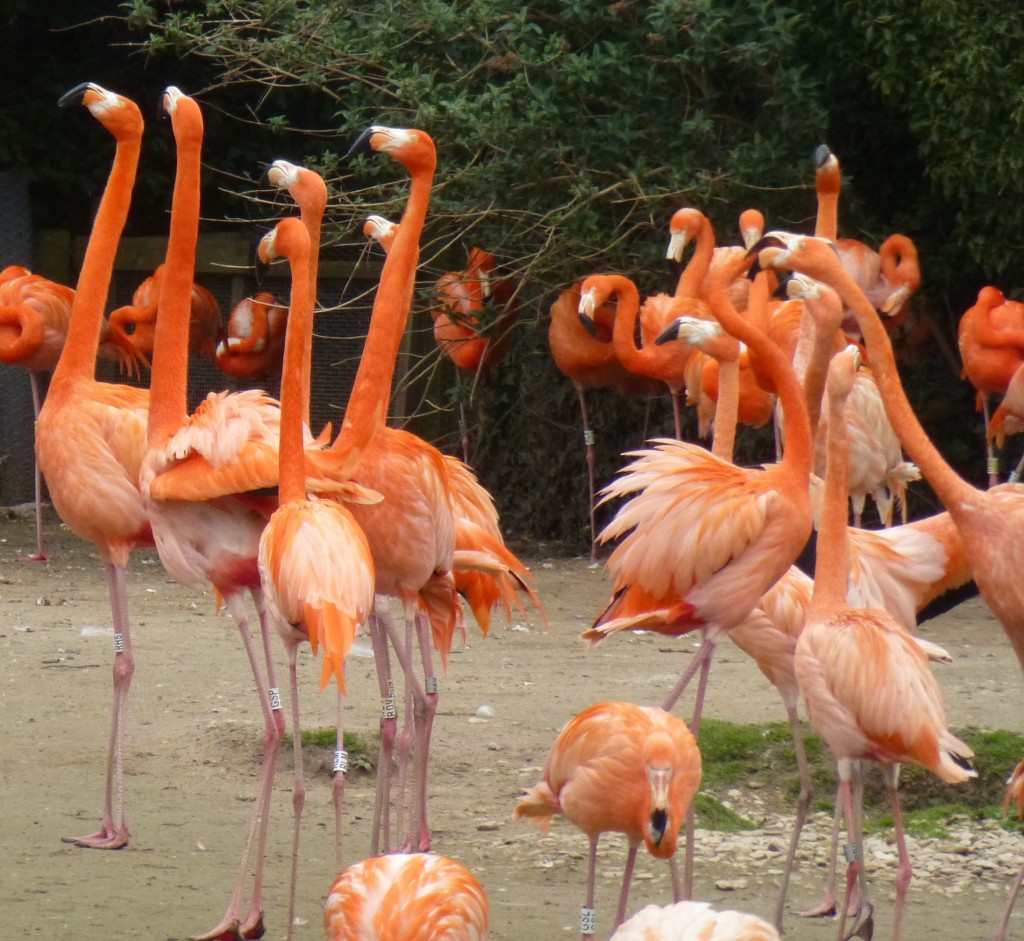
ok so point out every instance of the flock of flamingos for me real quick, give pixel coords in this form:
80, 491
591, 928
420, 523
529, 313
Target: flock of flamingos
321, 530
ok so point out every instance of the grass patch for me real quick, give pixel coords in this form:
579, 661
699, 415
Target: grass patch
360, 754
712, 814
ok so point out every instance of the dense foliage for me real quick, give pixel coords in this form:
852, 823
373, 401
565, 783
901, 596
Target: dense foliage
569, 131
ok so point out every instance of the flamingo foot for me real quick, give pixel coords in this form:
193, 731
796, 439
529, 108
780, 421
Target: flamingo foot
253, 926
105, 839
227, 930
40, 556
826, 908
864, 923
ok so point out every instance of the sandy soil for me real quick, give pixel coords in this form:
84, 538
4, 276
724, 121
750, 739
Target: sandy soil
193, 754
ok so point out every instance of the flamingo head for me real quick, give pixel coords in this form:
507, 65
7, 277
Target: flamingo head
119, 115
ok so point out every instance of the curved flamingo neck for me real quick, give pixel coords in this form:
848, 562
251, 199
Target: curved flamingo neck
727, 409
693, 275
798, 452
168, 409
21, 333
627, 312
294, 390
78, 360
311, 198
832, 565
367, 405
952, 489
828, 183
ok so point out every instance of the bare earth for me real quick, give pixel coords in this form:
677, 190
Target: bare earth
194, 740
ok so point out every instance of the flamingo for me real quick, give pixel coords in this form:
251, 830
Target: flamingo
667, 365
34, 317
253, 343
314, 561
703, 539
988, 520
990, 336
91, 436
690, 224
618, 767
891, 713
693, 921
589, 360
473, 321
406, 897
135, 323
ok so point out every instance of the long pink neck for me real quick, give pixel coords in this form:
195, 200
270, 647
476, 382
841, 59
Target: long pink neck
952, 489
78, 360
294, 389
689, 284
832, 565
798, 447
168, 409
627, 310
371, 390
727, 409
311, 197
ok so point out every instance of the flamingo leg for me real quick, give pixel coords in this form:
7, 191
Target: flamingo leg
231, 927
424, 712
407, 735
803, 804
704, 653
298, 781
1004, 922
991, 458
381, 827
863, 923
904, 872
40, 554
113, 832
627, 879
677, 413
588, 912
829, 905
689, 852
464, 431
338, 784
588, 443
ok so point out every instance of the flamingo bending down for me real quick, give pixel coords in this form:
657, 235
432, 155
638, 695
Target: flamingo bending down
990, 336
91, 436
135, 324
693, 921
34, 317
406, 897
620, 768
891, 713
473, 321
587, 359
253, 343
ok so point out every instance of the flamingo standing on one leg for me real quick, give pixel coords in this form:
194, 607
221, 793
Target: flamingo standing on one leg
34, 317
406, 897
91, 436
473, 322
314, 561
621, 768
891, 713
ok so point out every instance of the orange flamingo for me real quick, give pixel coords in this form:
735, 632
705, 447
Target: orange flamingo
667, 365
988, 521
135, 323
691, 225
892, 713
406, 897
587, 359
693, 921
473, 321
91, 436
620, 768
991, 340
253, 343
314, 562
703, 539
34, 317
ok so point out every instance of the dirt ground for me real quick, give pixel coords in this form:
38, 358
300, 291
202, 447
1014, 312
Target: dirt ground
193, 752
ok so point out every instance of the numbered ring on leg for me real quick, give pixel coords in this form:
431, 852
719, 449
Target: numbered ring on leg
340, 761
588, 919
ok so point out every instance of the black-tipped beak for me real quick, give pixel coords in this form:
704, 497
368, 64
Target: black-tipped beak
259, 268
768, 241
659, 823
74, 96
821, 154
670, 333
362, 144
588, 324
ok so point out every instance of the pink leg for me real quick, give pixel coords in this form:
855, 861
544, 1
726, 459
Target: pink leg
424, 711
338, 785
231, 927
1004, 922
588, 912
828, 907
381, 828
803, 803
588, 443
298, 781
704, 653
627, 879
40, 553
863, 923
904, 872
113, 832
991, 458
677, 413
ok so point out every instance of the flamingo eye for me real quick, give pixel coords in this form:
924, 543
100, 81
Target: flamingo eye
129, 328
